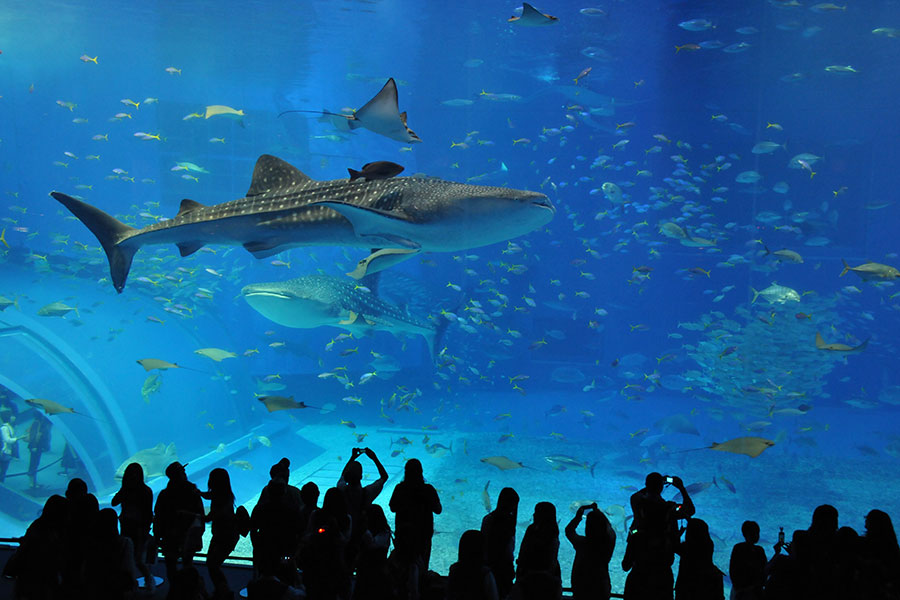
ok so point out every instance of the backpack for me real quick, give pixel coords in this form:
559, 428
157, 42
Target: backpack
242, 521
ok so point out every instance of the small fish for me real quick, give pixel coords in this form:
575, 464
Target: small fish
372, 171
86, 59
243, 465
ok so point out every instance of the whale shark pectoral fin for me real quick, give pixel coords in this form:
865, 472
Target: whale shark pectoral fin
380, 260
366, 220
188, 248
262, 249
349, 320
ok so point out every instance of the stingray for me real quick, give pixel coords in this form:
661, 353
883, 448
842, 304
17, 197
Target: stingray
751, 446
532, 17
49, 406
381, 115
155, 363
274, 403
838, 347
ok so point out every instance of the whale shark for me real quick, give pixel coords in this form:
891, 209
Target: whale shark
318, 300
394, 218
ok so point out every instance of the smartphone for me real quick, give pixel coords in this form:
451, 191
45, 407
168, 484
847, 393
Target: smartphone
669, 479
781, 535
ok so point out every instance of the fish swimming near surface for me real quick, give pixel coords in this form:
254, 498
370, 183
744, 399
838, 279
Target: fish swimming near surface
776, 294
285, 208
152, 460
318, 300
870, 270
381, 115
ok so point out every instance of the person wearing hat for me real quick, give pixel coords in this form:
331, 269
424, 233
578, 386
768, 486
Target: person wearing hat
178, 520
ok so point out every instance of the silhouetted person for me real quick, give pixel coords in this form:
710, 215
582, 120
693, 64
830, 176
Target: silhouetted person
698, 577
593, 551
136, 499
83, 509
815, 553
650, 548
359, 497
848, 565
38, 443
309, 496
498, 529
537, 567
325, 573
414, 504
747, 566
469, 577
41, 554
109, 563
178, 511
373, 581
9, 450
224, 529
784, 578
187, 585
275, 523
880, 557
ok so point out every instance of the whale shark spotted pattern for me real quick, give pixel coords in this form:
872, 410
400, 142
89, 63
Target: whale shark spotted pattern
319, 300
284, 208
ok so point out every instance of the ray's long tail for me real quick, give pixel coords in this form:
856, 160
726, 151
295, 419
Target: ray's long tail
109, 232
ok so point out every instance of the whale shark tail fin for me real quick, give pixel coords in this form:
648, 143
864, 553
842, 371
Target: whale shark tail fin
109, 232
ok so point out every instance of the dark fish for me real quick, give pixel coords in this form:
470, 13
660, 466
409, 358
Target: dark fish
381, 169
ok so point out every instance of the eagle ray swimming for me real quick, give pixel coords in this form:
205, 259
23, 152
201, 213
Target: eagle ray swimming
380, 115
284, 208
318, 300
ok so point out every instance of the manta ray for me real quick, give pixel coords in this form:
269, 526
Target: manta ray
394, 218
322, 300
381, 115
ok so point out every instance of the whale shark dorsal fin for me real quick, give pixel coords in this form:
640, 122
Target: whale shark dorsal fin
187, 206
272, 173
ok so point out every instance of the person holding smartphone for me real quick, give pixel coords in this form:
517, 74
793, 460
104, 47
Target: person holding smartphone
653, 537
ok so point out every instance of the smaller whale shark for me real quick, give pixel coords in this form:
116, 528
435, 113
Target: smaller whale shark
319, 300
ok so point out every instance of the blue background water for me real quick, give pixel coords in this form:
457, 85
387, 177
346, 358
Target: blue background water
575, 288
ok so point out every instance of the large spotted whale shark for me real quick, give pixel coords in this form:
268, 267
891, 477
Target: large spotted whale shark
284, 208
319, 300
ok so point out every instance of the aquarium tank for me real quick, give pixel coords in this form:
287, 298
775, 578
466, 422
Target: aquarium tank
554, 249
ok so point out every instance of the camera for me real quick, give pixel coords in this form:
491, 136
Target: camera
781, 535
669, 479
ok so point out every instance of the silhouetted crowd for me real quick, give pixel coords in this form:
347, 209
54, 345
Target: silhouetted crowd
346, 550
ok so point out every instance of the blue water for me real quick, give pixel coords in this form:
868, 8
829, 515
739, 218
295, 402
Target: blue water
606, 340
